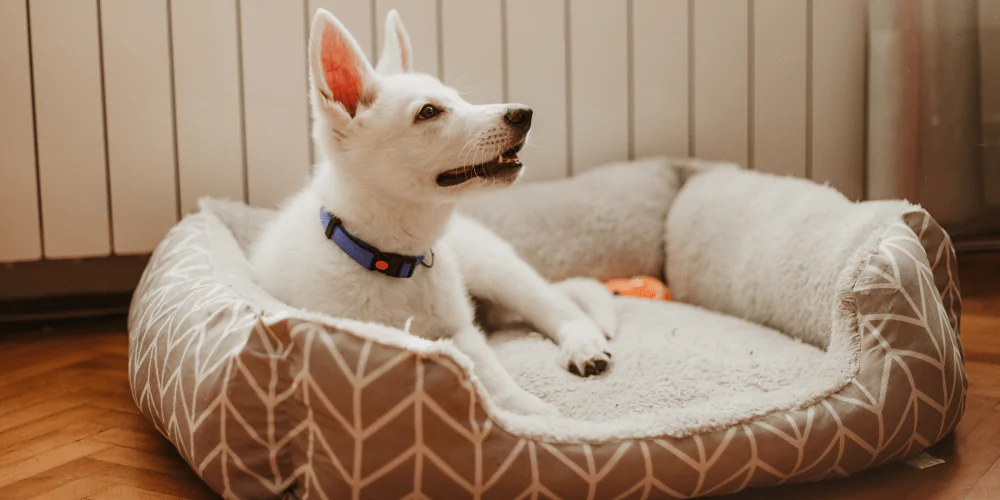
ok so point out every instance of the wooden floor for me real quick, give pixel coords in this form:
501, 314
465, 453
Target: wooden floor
69, 428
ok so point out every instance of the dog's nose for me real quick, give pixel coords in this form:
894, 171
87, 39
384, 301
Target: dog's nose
518, 117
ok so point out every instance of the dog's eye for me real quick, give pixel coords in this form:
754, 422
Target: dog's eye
427, 112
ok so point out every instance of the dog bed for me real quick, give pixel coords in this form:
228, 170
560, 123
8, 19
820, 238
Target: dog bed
810, 337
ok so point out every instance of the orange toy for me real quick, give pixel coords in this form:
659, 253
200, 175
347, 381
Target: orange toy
639, 286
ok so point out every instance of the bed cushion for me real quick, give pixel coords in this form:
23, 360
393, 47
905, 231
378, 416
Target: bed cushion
605, 223
674, 363
771, 249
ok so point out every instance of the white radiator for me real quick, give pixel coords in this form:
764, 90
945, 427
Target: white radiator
117, 115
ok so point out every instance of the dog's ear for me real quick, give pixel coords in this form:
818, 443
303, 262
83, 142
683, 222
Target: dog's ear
397, 54
342, 78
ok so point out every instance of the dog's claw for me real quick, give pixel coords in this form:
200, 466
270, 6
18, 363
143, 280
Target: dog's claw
591, 367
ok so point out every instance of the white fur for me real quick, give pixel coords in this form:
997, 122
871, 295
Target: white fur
380, 179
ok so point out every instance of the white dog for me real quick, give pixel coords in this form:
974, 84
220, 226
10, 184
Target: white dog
375, 237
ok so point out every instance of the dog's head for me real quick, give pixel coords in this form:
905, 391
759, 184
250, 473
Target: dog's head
403, 132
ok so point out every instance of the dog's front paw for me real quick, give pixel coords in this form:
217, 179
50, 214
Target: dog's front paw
583, 349
525, 403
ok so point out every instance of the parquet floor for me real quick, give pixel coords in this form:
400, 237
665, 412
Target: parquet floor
69, 428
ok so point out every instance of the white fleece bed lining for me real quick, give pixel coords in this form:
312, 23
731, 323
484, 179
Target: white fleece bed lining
658, 385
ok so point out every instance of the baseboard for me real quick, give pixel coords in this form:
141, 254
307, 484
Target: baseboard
48, 293
71, 278
64, 307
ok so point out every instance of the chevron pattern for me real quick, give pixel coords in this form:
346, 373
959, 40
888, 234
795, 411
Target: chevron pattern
260, 403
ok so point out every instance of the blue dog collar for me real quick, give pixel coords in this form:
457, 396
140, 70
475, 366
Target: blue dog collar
389, 264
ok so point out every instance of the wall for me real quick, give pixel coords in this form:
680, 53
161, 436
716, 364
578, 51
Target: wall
120, 114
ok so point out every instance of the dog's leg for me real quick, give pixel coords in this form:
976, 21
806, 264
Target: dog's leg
493, 271
495, 377
595, 300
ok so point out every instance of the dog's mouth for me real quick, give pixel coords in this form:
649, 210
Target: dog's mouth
502, 166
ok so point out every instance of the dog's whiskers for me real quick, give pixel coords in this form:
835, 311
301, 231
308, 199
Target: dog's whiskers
466, 146
463, 154
476, 164
474, 143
